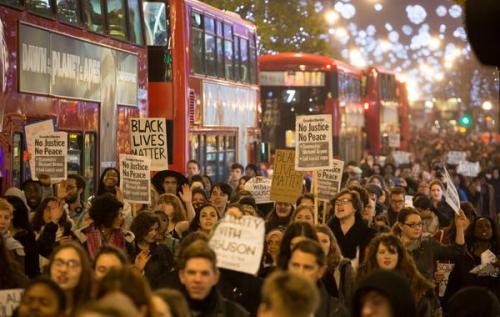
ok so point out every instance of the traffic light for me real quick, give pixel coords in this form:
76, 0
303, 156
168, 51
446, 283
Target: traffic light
465, 120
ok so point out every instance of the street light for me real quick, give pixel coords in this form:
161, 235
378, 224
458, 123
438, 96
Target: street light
331, 17
487, 106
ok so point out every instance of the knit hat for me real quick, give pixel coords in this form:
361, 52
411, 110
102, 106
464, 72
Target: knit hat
16, 192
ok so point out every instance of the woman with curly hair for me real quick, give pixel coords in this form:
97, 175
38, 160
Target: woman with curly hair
386, 252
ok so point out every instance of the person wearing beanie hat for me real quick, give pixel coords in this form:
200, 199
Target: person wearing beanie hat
383, 294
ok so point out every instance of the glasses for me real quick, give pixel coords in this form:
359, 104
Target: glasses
71, 264
414, 225
344, 201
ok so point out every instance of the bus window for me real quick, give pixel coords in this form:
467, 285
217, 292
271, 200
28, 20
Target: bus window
210, 47
135, 22
14, 3
253, 60
93, 15
228, 51
75, 145
43, 7
89, 160
237, 59
220, 50
156, 23
244, 60
68, 11
117, 25
17, 160
197, 43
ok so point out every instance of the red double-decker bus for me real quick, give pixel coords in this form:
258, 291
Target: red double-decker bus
203, 80
81, 64
297, 84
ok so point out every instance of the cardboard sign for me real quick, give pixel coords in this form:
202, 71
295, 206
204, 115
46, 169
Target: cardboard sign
401, 157
455, 157
260, 187
329, 181
469, 169
313, 143
50, 153
149, 139
287, 183
9, 300
394, 140
135, 180
451, 194
239, 243
31, 130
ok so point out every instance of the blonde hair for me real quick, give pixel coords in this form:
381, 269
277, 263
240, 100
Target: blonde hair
5, 205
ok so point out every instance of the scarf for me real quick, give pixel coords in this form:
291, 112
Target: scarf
95, 239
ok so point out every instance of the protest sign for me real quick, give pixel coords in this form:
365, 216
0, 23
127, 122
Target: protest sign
50, 154
239, 243
469, 169
313, 144
9, 300
455, 157
444, 269
30, 131
149, 139
451, 194
394, 140
135, 180
401, 157
408, 201
287, 183
329, 181
260, 187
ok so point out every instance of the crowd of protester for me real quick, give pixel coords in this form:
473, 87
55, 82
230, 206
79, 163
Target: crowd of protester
373, 253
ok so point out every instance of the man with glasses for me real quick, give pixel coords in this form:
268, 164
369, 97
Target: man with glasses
397, 202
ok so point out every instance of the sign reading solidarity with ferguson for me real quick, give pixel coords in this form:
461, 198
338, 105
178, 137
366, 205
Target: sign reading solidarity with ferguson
451, 194
149, 139
50, 153
329, 181
260, 187
239, 243
313, 144
9, 300
135, 179
287, 182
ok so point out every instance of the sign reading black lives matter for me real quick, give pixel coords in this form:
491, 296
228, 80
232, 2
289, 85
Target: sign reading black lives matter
287, 183
135, 178
149, 139
239, 243
313, 144
329, 181
50, 155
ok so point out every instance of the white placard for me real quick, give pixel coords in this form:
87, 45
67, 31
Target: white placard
31, 130
9, 301
313, 143
401, 157
469, 169
239, 243
455, 157
408, 200
451, 194
135, 182
260, 187
444, 269
394, 140
329, 181
148, 137
50, 156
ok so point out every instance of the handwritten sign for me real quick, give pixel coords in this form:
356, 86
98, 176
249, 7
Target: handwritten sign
9, 301
260, 187
149, 139
313, 144
287, 182
394, 140
31, 130
239, 243
469, 169
50, 155
455, 157
444, 269
135, 180
451, 194
401, 157
329, 181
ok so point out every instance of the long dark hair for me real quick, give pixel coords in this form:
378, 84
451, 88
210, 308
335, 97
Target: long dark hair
20, 219
11, 273
37, 223
295, 229
273, 220
100, 186
195, 223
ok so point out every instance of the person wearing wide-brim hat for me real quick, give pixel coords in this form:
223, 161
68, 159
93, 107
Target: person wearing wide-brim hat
168, 181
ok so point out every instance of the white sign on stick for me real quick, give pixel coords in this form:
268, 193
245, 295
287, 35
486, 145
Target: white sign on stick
9, 301
149, 139
451, 194
329, 181
260, 187
455, 157
135, 180
50, 154
313, 144
469, 169
31, 130
239, 243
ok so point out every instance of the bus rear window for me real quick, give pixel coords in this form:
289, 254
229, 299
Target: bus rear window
93, 15
116, 19
156, 23
43, 7
68, 11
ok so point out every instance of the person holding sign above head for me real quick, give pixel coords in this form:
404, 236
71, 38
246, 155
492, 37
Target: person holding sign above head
439, 206
199, 275
308, 260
